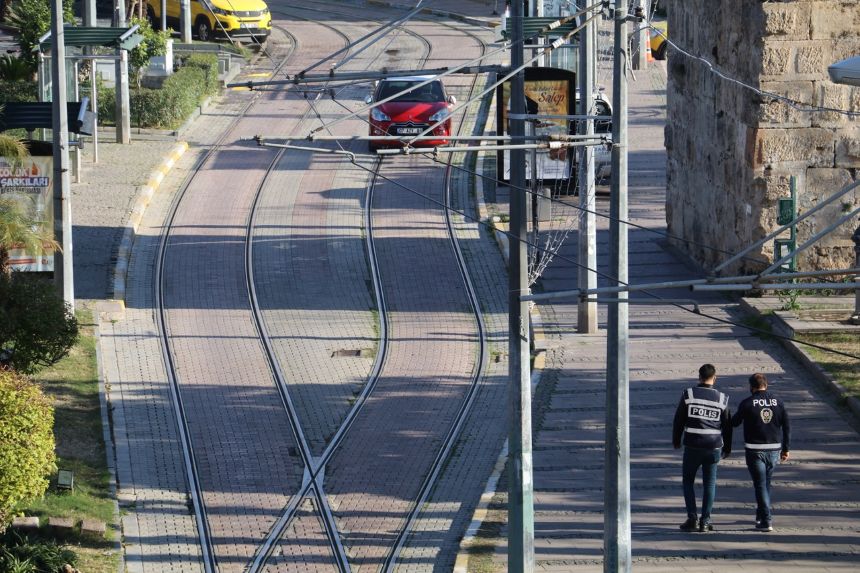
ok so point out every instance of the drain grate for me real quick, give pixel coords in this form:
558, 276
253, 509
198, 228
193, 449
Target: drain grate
356, 353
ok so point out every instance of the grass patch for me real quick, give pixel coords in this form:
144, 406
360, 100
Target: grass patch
845, 370
73, 383
482, 549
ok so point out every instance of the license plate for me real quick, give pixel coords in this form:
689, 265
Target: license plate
408, 130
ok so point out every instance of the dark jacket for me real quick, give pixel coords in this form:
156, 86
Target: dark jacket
704, 419
765, 420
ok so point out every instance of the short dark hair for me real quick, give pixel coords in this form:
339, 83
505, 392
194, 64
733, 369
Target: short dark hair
758, 381
707, 371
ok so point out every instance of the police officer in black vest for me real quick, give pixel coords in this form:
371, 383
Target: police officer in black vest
767, 438
704, 419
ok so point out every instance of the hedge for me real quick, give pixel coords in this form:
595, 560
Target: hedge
177, 99
18, 90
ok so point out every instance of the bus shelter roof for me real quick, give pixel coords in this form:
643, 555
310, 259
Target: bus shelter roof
83, 36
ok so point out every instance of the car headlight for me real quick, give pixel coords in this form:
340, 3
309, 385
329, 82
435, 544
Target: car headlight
440, 115
220, 11
377, 115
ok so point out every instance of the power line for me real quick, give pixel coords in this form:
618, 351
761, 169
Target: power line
795, 104
488, 225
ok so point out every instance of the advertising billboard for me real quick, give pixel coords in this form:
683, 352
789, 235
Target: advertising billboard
30, 184
549, 91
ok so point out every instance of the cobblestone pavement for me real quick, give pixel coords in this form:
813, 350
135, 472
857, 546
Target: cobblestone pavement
816, 496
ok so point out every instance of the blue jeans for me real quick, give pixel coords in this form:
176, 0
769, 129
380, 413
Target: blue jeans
707, 460
761, 464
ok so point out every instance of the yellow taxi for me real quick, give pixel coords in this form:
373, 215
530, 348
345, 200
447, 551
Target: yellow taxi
658, 40
235, 19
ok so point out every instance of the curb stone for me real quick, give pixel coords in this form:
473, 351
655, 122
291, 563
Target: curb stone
144, 196
810, 364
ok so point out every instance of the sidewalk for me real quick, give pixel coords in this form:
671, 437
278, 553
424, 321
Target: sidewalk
817, 502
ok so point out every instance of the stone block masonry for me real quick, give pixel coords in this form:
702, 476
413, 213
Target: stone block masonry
732, 151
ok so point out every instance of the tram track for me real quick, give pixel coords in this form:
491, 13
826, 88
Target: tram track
453, 432
210, 561
314, 467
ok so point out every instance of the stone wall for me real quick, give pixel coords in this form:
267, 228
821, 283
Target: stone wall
732, 151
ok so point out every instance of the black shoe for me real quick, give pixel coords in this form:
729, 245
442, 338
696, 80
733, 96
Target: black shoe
692, 524
764, 526
705, 526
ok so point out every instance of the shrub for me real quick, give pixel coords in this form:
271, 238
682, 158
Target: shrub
18, 90
177, 99
26, 442
36, 326
209, 64
42, 556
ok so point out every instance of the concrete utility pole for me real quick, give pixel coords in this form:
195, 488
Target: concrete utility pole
185, 20
616, 488
64, 278
587, 311
521, 489
163, 15
123, 117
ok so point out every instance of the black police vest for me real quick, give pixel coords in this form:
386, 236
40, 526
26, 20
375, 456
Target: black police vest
705, 407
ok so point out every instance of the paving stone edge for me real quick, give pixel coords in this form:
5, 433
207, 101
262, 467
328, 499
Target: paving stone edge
110, 452
819, 373
144, 196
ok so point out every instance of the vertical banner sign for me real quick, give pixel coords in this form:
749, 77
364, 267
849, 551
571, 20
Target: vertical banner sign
30, 183
549, 92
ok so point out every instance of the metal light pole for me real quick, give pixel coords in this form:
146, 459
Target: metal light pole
63, 269
520, 489
616, 508
587, 311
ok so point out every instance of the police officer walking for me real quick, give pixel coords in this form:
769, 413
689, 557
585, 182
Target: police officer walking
704, 419
767, 438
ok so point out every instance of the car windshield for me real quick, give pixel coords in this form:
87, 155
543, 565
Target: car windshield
428, 93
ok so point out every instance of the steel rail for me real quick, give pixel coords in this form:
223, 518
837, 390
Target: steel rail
480, 367
316, 466
457, 423
310, 482
311, 466
195, 491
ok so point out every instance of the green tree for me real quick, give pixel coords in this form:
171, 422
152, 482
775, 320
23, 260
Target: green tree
31, 19
37, 328
26, 443
154, 44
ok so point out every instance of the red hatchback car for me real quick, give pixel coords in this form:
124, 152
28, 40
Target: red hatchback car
411, 113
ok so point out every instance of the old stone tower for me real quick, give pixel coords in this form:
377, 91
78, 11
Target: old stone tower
731, 151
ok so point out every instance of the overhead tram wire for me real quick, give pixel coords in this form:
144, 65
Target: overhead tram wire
378, 30
450, 71
566, 259
580, 265
560, 41
792, 103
